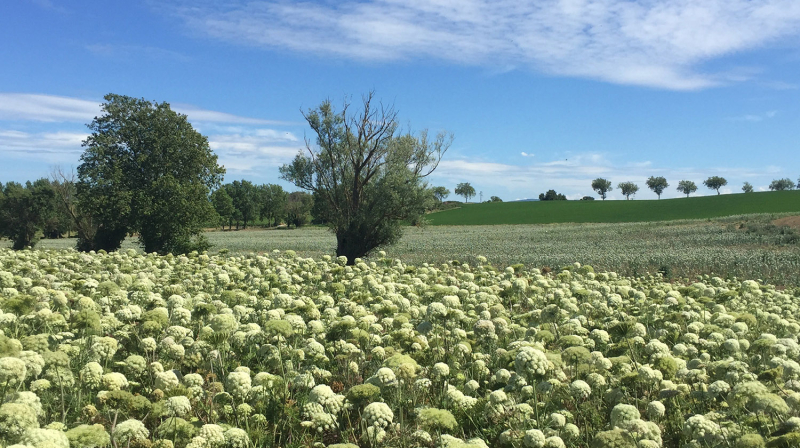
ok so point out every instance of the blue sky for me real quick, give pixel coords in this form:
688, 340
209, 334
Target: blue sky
538, 94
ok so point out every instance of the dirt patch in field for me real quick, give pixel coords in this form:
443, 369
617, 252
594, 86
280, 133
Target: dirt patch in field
789, 221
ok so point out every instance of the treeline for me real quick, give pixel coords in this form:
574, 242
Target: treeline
51, 208
242, 203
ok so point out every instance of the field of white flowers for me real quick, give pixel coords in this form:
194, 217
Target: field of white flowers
734, 246
275, 350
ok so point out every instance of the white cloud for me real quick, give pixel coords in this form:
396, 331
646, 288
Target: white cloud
525, 154
58, 146
128, 51
755, 118
652, 43
53, 108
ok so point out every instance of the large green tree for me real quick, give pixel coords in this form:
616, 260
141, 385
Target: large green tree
657, 184
24, 210
369, 175
601, 186
146, 170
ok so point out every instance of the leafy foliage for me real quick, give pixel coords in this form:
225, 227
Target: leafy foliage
687, 187
24, 211
601, 186
781, 184
552, 195
441, 193
715, 183
628, 189
466, 190
657, 184
367, 176
145, 169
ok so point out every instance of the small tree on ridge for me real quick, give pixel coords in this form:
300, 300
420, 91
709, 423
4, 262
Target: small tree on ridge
601, 186
628, 189
687, 187
715, 183
657, 184
466, 190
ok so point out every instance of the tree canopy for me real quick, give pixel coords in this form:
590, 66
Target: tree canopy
368, 176
687, 187
781, 184
146, 170
440, 193
465, 190
552, 195
657, 184
601, 186
24, 211
747, 187
628, 189
715, 183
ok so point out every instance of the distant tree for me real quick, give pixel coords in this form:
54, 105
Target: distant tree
715, 183
798, 182
782, 184
66, 196
747, 188
273, 203
628, 189
23, 210
466, 190
223, 204
145, 169
587, 198
440, 193
368, 174
601, 186
687, 187
657, 184
56, 222
551, 195
495, 199
298, 208
246, 201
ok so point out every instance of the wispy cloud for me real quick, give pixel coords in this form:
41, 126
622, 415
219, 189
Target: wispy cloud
244, 145
525, 154
661, 44
52, 108
755, 118
128, 51
58, 146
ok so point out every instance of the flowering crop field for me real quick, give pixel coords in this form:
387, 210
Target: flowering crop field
277, 350
725, 247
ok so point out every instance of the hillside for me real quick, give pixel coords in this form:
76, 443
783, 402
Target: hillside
549, 212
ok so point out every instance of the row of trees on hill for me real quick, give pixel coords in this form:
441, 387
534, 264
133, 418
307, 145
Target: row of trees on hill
463, 189
145, 171
659, 184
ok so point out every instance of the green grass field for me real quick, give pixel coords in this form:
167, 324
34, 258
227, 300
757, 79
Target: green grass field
552, 212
